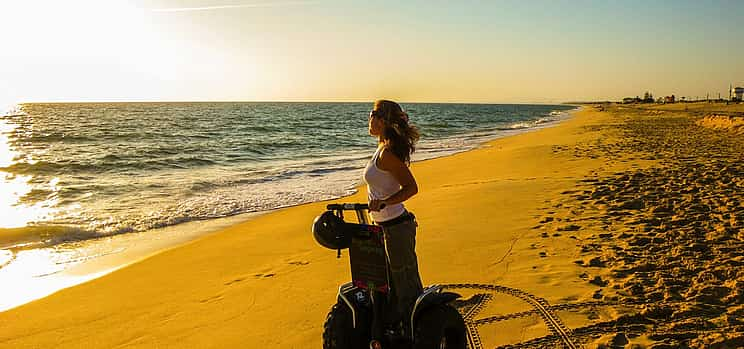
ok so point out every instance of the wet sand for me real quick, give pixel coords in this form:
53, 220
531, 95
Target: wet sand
617, 228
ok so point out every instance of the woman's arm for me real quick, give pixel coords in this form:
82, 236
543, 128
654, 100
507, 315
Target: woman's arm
391, 163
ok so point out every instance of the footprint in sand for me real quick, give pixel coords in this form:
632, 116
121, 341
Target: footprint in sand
270, 273
264, 275
234, 281
211, 299
570, 227
299, 263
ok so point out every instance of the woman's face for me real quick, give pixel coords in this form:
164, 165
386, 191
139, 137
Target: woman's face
375, 125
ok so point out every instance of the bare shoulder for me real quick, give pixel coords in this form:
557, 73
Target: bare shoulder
389, 161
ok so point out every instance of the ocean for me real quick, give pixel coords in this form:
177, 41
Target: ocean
77, 172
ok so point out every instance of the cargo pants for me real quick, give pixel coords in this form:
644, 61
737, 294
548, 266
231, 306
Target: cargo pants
400, 244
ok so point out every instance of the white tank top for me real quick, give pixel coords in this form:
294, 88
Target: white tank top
380, 186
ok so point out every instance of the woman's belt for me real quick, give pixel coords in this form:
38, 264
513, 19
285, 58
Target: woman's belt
404, 217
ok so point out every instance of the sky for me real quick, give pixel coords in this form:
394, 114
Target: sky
327, 50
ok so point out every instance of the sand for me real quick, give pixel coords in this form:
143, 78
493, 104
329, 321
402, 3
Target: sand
625, 224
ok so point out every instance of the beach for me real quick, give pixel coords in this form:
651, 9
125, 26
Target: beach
86, 188
625, 222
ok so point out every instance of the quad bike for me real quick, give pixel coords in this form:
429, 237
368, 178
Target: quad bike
356, 320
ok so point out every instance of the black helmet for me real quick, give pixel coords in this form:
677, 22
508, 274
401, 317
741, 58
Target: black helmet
330, 231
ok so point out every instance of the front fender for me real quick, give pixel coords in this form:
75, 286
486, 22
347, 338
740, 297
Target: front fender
432, 295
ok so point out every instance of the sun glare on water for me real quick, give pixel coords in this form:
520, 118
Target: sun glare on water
22, 271
13, 188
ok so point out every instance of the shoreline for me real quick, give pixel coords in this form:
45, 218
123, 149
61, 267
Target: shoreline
104, 255
551, 214
121, 250
251, 271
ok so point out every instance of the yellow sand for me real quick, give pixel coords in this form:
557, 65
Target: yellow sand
266, 283
718, 115
723, 122
705, 107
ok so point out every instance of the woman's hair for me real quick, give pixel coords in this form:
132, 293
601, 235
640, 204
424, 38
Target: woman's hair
399, 136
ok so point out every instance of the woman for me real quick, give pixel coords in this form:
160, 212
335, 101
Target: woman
390, 183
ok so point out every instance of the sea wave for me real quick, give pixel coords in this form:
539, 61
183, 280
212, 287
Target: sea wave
38, 236
123, 168
531, 123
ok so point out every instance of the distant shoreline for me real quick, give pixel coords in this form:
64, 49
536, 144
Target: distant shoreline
293, 102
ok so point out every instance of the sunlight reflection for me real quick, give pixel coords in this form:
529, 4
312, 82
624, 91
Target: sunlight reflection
7, 154
28, 279
5, 257
13, 188
17, 215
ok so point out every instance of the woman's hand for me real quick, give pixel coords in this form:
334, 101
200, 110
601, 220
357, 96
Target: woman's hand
376, 205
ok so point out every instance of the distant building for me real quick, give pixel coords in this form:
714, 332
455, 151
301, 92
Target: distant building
738, 93
669, 99
628, 100
648, 97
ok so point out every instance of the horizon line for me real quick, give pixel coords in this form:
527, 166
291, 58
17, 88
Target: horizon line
295, 101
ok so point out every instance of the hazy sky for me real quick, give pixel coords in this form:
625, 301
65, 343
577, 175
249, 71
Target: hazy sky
467, 51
